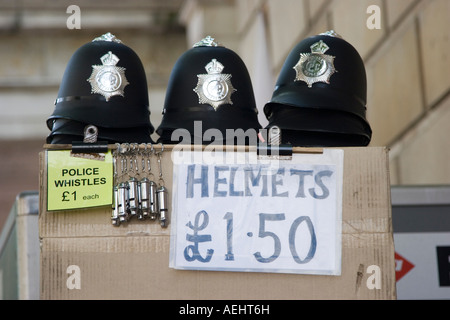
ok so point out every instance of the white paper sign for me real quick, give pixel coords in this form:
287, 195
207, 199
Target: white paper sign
232, 213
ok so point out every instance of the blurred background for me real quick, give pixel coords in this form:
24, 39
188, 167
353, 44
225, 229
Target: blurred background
404, 44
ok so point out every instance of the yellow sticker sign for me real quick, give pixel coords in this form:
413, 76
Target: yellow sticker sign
75, 182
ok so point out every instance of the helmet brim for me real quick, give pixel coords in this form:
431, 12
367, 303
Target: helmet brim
319, 96
100, 114
305, 127
201, 126
66, 131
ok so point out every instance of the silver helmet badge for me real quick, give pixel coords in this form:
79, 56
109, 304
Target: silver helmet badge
108, 79
315, 66
214, 88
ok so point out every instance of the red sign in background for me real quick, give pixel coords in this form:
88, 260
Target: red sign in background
402, 266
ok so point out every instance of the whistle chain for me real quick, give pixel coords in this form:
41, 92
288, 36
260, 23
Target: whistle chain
136, 193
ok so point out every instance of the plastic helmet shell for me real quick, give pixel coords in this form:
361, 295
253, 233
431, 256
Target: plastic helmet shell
320, 94
209, 88
104, 84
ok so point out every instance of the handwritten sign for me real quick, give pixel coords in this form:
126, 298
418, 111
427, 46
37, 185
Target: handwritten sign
280, 216
74, 182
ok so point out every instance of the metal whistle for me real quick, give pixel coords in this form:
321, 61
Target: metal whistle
144, 197
154, 207
123, 202
115, 209
162, 205
133, 196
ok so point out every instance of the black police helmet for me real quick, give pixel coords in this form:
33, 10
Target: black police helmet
105, 85
209, 88
320, 95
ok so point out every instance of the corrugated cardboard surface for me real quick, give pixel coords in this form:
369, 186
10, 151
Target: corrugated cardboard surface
132, 261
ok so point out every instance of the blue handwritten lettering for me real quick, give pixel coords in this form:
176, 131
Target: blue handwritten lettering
192, 252
203, 180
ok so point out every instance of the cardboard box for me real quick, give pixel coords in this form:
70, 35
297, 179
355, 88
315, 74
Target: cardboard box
19, 249
132, 261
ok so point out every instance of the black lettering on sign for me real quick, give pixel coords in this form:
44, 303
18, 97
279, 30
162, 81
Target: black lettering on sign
443, 261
